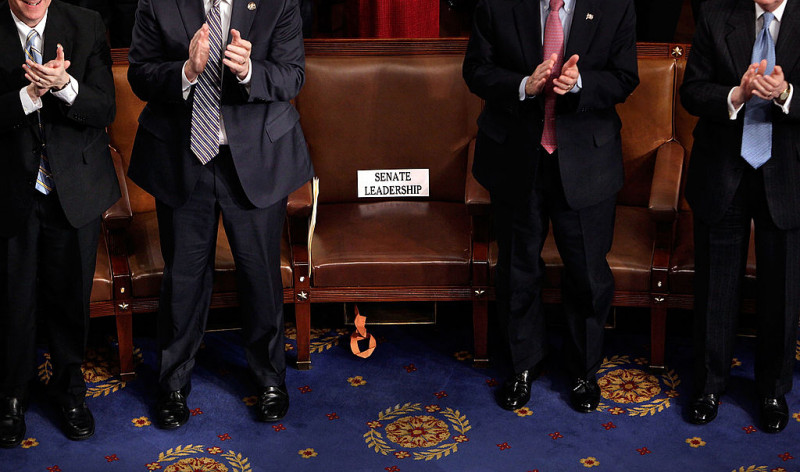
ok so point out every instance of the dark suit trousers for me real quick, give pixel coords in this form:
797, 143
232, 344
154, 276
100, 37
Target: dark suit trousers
583, 238
188, 243
720, 262
46, 270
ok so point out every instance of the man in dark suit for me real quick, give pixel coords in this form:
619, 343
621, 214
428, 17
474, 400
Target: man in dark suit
745, 166
218, 135
56, 179
549, 151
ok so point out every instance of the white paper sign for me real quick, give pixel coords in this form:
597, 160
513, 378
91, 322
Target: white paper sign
393, 183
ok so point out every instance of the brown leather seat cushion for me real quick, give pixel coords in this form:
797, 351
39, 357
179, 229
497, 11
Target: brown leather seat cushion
103, 284
629, 259
681, 268
391, 243
147, 266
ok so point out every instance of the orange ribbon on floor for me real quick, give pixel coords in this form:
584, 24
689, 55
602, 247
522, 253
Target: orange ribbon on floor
359, 334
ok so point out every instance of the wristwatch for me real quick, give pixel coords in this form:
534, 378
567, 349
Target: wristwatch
784, 95
69, 79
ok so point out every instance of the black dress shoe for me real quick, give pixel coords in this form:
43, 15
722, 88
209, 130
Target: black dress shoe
171, 409
774, 414
516, 391
12, 422
703, 409
585, 395
77, 422
273, 403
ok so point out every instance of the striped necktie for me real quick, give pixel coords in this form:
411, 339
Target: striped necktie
757, 132
206, 107
553, 44
44, 180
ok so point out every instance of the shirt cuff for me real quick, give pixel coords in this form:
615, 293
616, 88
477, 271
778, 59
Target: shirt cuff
522, 95
186, 85
733, 112
785, 106
578, 85
246, 80
69, 93
29, 105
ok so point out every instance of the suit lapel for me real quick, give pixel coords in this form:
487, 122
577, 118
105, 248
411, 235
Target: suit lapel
585, 19
242, 16
10, 45
193, 15
529, 28
55, 34
786, 50
741, 34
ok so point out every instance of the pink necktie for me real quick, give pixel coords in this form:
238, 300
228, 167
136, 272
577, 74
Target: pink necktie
553, 44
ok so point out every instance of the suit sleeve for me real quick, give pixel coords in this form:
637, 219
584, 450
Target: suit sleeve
702, 92
95, 105
13, 113
281, 75
482, 73
604, 88
153, 78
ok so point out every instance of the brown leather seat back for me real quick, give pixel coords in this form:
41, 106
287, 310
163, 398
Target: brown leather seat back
123, 131
646, 124
684, 126
387, 112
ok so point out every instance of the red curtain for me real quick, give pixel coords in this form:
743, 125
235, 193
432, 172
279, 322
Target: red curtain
394, 18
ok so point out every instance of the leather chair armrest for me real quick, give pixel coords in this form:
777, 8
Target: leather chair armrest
120, 214
300, 202
475, 195
298, 211
665, 189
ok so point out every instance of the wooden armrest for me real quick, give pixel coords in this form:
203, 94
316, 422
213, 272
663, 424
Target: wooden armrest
300, 202
666, 186
120, 214
475, 195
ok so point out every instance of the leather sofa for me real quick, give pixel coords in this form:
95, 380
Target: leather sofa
402, 104
383, 106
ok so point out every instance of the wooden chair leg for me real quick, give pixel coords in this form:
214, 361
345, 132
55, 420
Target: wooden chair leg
480, 323
658, 325
303, 321
125, 343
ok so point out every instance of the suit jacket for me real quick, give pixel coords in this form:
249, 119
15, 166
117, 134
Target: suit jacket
506, 46
720, 55
162, 162
77, 144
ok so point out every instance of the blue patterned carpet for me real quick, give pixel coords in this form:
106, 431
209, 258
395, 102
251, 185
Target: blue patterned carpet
416, 405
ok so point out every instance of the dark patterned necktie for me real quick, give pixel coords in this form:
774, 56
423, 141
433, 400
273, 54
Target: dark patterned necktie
44, 180
207, 92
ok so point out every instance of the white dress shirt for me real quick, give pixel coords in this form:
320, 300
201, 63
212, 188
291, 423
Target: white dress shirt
774, 29
565, 15
225, 7
67, 94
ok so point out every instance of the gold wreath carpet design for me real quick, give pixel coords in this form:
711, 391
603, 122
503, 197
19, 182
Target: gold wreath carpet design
417, 404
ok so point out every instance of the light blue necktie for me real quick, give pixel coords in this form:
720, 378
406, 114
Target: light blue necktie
44, 180
757, 135
204, 140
